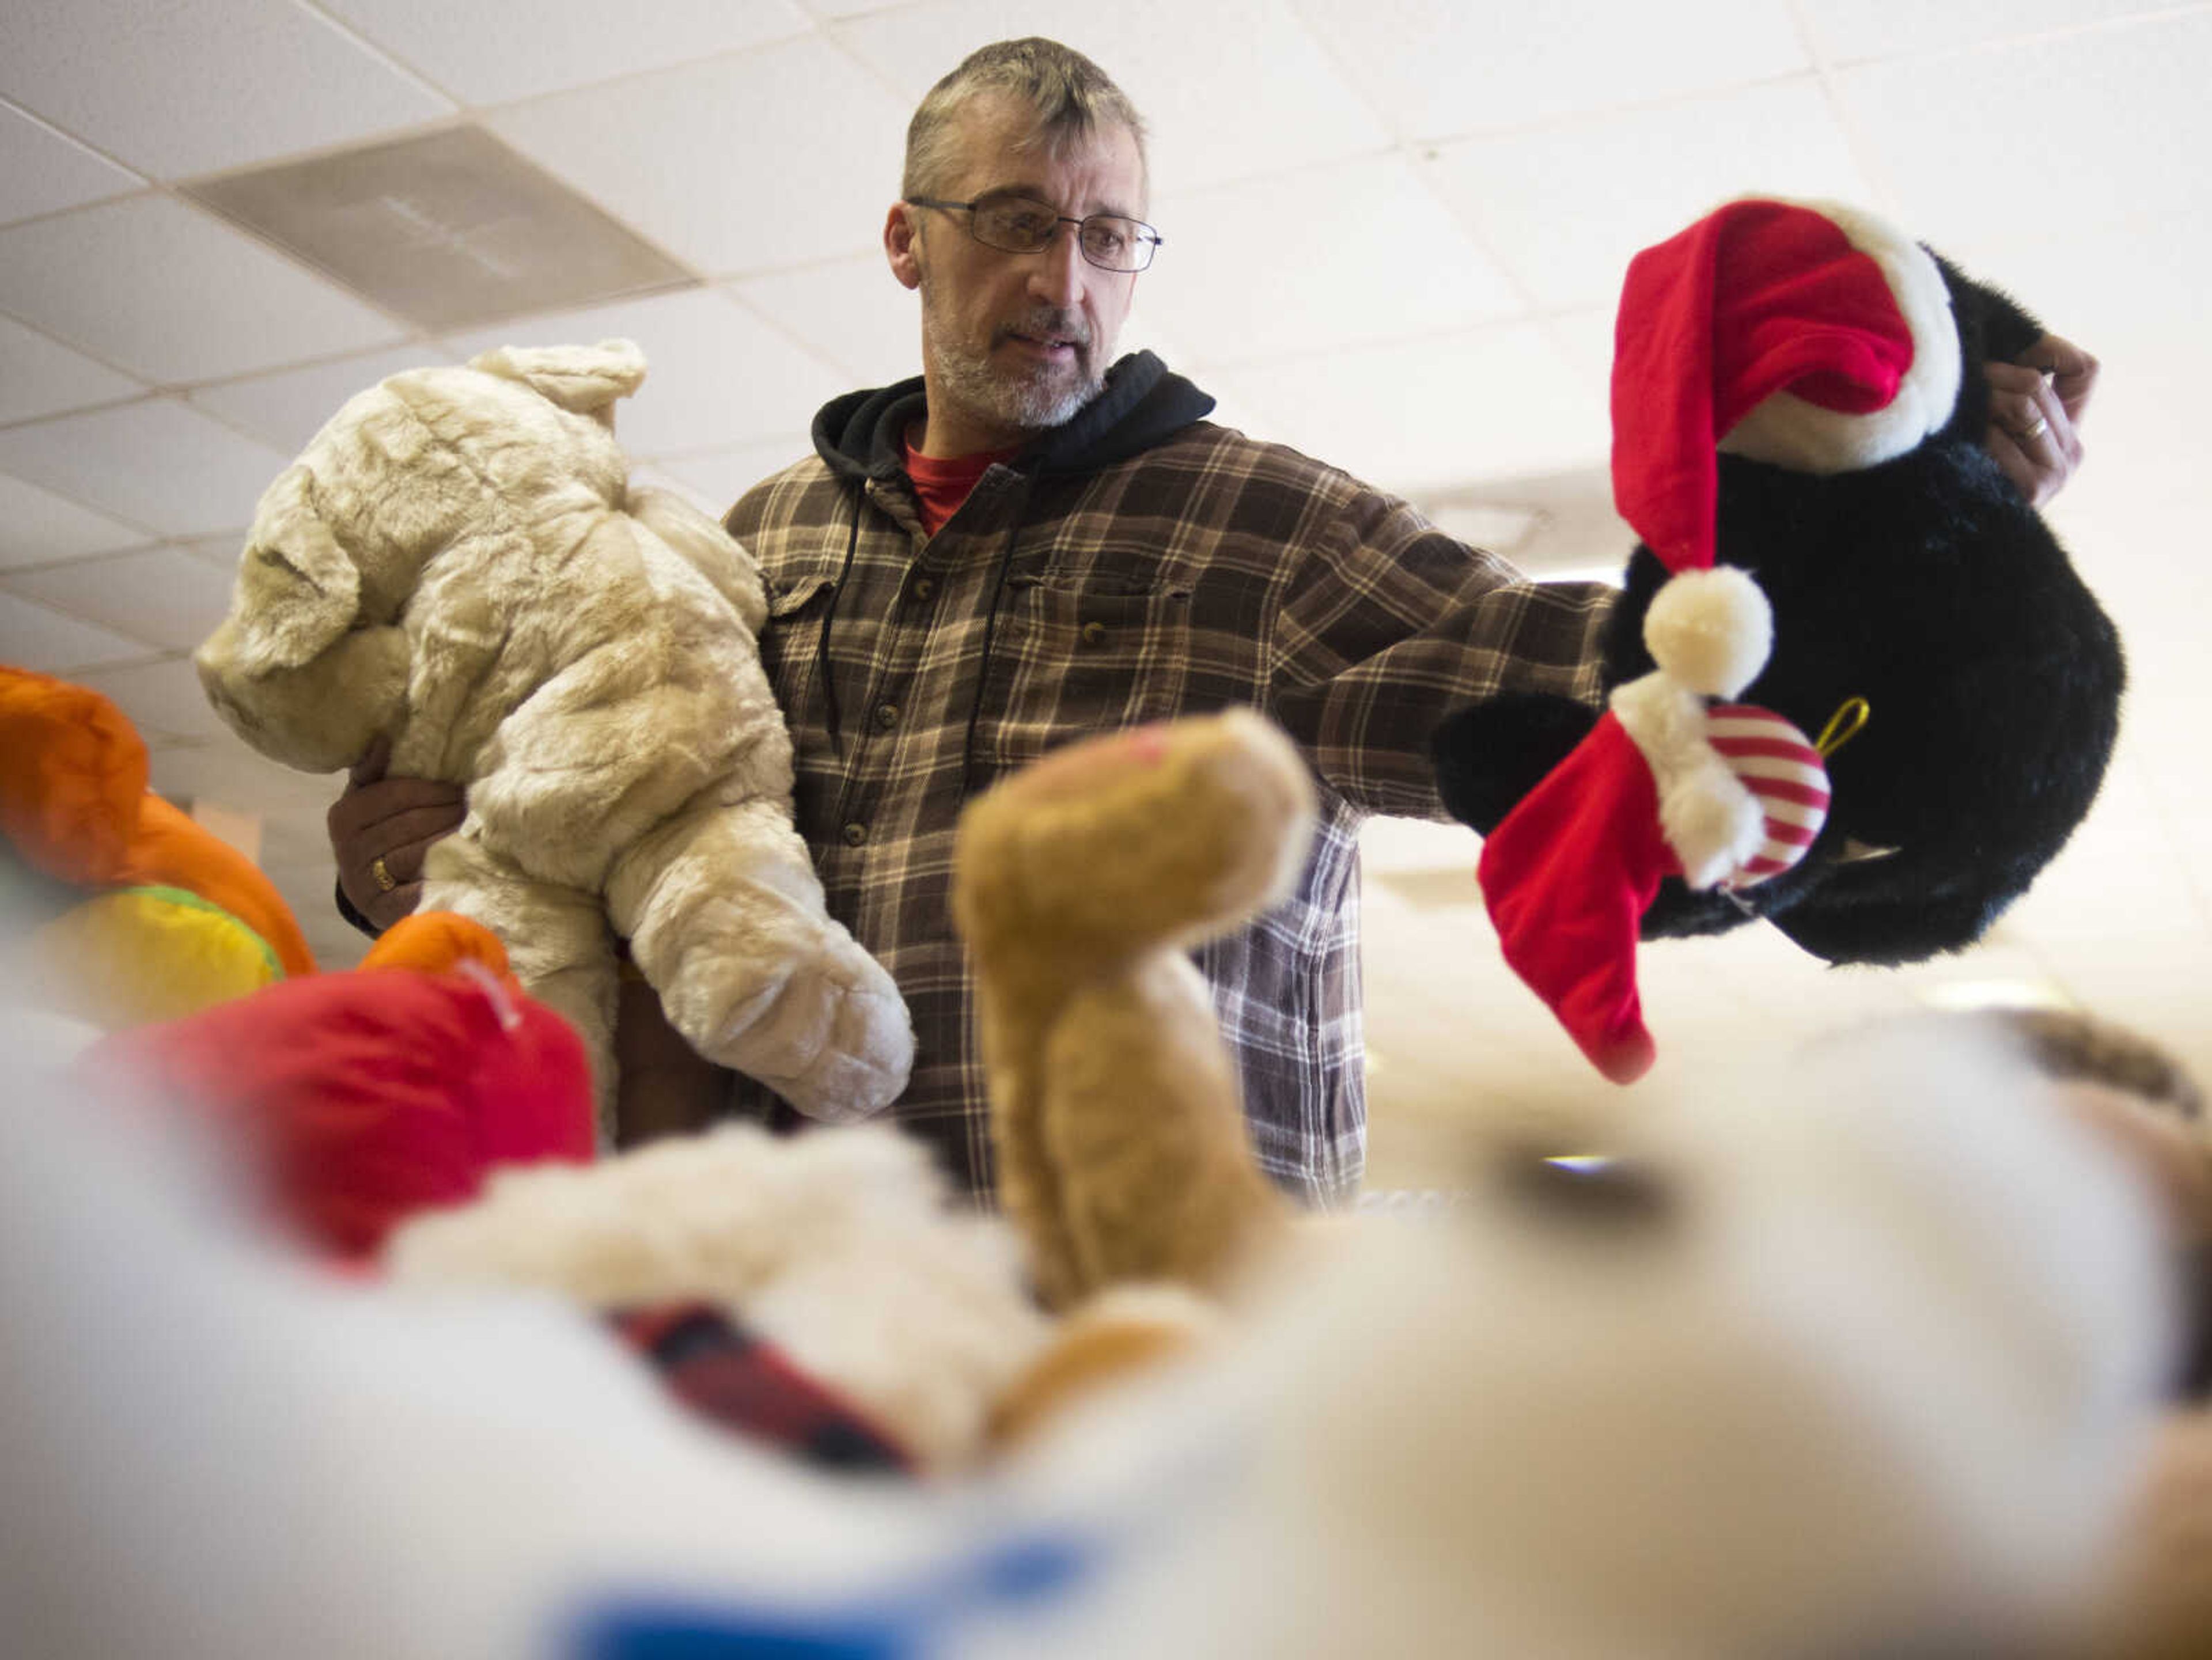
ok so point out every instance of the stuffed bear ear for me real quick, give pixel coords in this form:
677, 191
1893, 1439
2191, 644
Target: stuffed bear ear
298, 591
1490, 754
582, 379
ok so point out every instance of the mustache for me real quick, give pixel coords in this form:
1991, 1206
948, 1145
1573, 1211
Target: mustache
1049, 324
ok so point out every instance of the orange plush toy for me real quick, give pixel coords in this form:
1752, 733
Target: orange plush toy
139, 913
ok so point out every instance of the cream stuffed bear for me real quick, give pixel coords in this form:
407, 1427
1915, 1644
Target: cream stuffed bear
1078, 884
457, 561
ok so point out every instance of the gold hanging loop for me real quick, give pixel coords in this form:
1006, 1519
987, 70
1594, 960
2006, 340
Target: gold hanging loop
1843, 725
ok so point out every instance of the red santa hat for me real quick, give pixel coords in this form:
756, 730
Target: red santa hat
362, 1099
1813, 337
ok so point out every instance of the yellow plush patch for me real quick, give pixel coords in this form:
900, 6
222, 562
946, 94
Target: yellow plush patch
140, 955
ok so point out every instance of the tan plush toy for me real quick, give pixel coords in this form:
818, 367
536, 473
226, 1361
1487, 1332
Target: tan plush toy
1121, 1149
457, 561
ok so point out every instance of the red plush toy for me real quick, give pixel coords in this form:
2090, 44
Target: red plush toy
366, 1096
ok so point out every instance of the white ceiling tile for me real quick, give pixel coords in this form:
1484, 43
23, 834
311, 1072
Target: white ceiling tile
156, 464
36, 527
297, 837
2134, 105
1142, 331
160, 595
1844, 30
1586, 337
1228, 90
194, 85
1341, 255
306, 887
2118, 873
38, 376
490, 52
1428, 415
718, 477
717, 373
1238, 405
1566, 207
1392, 846
32, 637
336, 944
41, 171
220, 550
171, 294
217, 767
852, 312
706, 160
647, 476
165, 697
288, 408
1436, 70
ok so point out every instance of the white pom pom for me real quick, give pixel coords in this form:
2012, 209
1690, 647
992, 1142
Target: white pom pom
1711, 629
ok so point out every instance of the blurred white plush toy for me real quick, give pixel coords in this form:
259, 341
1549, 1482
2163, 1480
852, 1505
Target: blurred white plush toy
458, 562
1853, 1362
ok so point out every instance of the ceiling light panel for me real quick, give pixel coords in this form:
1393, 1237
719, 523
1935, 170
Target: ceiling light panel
446, 230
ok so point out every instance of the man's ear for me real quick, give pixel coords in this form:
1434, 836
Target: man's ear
901, 245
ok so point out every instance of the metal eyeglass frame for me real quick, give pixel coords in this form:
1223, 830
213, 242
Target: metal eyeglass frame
1147, 239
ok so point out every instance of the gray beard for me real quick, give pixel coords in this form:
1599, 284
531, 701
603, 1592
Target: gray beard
1018, 403
1026, 405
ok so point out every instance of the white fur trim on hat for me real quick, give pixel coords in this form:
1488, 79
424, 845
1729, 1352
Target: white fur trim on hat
1712, 824
1789, 432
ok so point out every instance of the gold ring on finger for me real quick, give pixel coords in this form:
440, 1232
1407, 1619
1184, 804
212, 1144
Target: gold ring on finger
382, 873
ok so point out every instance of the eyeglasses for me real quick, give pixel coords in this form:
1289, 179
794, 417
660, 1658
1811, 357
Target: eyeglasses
1015, 224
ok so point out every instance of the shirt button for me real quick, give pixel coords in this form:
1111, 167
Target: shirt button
854, 834
1094, 634
924, 587
887, 715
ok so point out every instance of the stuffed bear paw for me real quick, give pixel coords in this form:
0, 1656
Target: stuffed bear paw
831, 1036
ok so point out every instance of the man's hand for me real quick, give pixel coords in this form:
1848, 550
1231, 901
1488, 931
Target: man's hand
381, 828
2035, 408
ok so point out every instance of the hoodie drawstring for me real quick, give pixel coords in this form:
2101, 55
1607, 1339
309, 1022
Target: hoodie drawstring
990, 632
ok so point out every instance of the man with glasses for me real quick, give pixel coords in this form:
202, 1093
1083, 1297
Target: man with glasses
1032, 541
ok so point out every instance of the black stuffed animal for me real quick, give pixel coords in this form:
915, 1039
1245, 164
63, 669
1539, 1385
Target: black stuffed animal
1907, 572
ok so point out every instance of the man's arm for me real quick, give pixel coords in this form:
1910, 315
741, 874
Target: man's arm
1387, 625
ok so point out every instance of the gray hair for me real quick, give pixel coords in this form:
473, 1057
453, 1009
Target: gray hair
1073, 97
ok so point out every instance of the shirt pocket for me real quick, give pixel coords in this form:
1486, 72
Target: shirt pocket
1071, 660
791, 644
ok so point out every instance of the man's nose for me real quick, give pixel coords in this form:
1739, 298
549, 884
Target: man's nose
1056, 273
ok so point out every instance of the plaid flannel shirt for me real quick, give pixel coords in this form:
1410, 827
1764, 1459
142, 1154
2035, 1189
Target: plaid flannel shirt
1204, 570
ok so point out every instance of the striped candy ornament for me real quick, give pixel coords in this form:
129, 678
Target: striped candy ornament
1780, 766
